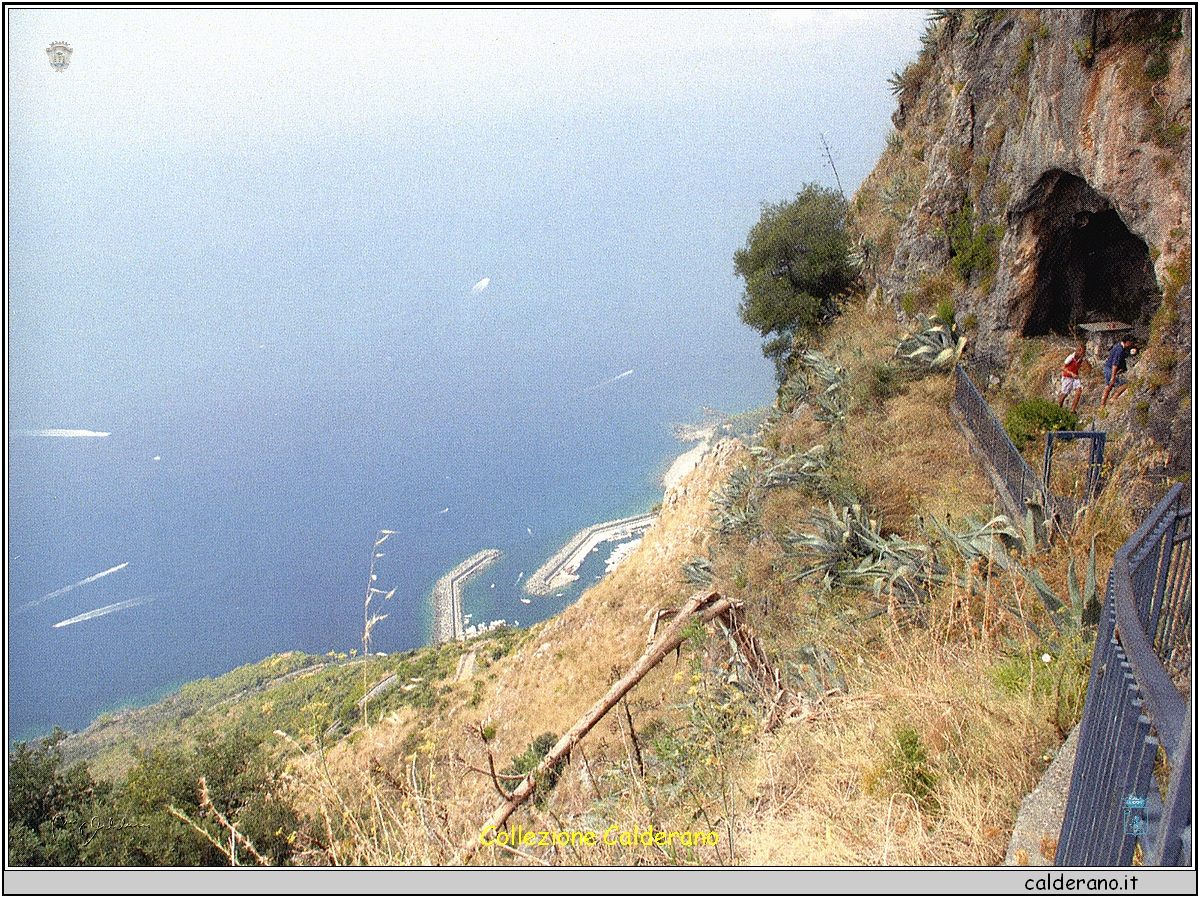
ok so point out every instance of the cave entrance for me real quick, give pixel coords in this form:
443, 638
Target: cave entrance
1090, 267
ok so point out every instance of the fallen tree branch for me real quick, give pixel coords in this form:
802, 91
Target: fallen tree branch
492, 766
235, 837
492, 773
704, 606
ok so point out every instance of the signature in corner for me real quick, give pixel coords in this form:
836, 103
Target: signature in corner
97, 826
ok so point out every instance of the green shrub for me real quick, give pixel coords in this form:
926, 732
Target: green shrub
884, 382
974, 246
945, 311
1158, 66
528, 761
1024, 57
909, 763
1026, 420
1085, 52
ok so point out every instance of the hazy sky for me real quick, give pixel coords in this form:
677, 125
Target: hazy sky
180, 76
197, 182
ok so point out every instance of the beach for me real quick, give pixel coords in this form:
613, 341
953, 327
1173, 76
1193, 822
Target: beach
686, 462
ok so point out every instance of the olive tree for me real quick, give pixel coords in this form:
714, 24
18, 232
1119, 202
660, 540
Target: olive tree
796, 261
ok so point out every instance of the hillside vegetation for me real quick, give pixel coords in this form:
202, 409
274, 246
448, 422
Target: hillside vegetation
926, 704
901, 660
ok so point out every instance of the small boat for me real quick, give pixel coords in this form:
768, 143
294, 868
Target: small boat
524, 601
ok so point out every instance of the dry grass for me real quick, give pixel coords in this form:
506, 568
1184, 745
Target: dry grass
830, 791
945, 707
914, 461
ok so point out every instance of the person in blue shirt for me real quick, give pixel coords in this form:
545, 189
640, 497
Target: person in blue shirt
1114, 368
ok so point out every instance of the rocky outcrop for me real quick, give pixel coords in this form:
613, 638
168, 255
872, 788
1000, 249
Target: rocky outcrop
1053, 153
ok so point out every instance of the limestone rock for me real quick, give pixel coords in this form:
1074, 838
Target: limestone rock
1056, 151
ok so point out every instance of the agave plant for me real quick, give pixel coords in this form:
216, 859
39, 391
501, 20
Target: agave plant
826, 386
698, 571
799, 468
736, 506
993, 541
847, 549
793, 392
1084, 608
934, 345
819, 381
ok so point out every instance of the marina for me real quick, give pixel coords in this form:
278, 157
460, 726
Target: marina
563, 566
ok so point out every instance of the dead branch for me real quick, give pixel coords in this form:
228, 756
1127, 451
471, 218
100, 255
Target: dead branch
492, 766
523, 854
235, 837
591, 778
704, 606
492, 773
637, 749
750, 653
389, 778
658, 615
200, 829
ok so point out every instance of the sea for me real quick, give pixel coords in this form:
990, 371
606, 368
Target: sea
235, 363
310, 389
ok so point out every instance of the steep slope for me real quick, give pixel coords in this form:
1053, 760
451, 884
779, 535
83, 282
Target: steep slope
1040, 178
920, 724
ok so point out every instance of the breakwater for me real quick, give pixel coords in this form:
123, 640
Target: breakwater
447, 595
561, 569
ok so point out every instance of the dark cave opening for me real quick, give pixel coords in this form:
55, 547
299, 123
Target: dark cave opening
1090, 267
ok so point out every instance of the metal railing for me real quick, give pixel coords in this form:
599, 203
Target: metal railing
1021, 488
1134, 706
1069, 506
1025, 489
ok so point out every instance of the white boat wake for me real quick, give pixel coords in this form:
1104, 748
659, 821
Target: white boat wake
100, 612
67, 589
611, 380
64, 432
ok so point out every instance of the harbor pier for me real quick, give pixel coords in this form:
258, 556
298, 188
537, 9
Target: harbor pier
563, 566
447, 595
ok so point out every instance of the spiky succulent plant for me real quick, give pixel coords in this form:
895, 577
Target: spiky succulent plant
934, 345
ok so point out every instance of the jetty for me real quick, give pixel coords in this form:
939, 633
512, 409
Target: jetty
447, 595
563, 566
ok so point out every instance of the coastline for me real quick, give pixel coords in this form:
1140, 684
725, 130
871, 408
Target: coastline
685, 463
447, 619
560, 570
447, 596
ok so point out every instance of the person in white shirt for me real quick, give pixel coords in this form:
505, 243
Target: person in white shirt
1074, 365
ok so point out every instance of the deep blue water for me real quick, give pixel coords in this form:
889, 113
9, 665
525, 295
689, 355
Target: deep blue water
279, 394
279, 333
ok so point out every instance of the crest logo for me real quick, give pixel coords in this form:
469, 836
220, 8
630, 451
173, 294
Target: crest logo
60, 55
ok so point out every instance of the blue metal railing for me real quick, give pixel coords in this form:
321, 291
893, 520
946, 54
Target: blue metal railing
1068, 506
1134, 706
1023, 489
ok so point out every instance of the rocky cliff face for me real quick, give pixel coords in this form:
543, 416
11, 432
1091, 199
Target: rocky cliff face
1040, 178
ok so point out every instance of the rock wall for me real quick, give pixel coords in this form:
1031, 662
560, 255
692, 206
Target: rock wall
1051, 157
